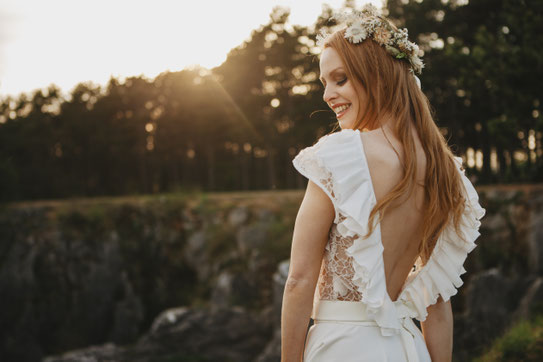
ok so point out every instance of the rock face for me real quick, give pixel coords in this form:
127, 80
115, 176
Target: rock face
231, 334
272, 352
203, 281
91, 273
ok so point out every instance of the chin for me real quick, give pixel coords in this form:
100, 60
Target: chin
345, 124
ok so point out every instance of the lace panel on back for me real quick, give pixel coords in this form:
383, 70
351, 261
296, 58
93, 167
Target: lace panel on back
336, 274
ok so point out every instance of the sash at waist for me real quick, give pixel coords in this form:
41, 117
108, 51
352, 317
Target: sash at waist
340, 311
349, 311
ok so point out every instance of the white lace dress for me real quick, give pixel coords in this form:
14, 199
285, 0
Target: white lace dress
352, 269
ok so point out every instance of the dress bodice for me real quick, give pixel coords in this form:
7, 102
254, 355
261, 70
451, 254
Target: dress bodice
352, 268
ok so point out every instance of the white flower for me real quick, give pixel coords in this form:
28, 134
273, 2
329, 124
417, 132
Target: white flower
382, 36
416, 63
370, 9
415, 49
372, 24
407, 46
401, 45
321, 37
401, 35
356, 33
341, 17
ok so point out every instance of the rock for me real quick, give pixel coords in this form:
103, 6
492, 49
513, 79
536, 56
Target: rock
62, 285
490, 298
167, 318
252, 236
191, 221
265, 215
231, 334
535, 240
238, 216
222, 293
128, 315
531, 303
272, 352
195, 254
105, 353
279, 280
486, 300
233, 289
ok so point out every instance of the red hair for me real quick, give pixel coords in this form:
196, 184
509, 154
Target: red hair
392, 92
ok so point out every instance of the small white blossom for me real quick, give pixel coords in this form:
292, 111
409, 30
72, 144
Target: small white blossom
408, 46
417, 63
356, 33
382, 36
372, 24
415, 49
370, 9
321, 37
348, 18
401, 35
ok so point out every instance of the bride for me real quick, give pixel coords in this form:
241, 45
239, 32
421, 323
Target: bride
388, 216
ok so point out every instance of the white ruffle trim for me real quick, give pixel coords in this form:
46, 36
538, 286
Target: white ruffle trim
340, 158
441, 274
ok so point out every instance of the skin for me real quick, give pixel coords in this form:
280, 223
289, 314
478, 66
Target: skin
313, 221
337, 88
316, 215
438, 331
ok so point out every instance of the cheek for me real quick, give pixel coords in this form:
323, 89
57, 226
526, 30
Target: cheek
355, 100
354, 96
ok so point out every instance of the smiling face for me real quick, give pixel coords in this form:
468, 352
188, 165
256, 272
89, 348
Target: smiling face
339, 91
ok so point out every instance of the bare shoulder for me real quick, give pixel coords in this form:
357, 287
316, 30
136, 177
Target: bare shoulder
379, 153
383, 163
384, 155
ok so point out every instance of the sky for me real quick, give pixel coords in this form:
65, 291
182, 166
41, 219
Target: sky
66, 42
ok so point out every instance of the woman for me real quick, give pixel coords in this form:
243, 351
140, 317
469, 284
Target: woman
388, 216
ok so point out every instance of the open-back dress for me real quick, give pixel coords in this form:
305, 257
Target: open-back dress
354, 316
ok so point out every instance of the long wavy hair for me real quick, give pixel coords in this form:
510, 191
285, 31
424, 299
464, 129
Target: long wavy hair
392, 91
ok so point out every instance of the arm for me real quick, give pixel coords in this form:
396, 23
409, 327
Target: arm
438, 331
313, 222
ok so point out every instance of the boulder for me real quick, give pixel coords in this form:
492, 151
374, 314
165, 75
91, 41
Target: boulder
227, 334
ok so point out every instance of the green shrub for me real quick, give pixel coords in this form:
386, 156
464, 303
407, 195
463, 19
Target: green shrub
523, 342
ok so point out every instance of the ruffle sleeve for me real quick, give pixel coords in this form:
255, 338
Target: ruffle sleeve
441, 274
310, 164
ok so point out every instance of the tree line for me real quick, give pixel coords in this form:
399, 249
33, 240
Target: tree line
238, 126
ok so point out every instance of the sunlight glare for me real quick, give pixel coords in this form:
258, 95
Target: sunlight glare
66, 42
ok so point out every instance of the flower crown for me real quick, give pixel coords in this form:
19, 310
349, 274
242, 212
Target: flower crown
367, 23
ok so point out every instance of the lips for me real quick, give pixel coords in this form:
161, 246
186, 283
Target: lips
341, 109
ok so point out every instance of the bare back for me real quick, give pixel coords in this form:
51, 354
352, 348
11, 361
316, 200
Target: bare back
401, 227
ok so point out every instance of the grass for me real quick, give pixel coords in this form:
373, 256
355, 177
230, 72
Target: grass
523, 342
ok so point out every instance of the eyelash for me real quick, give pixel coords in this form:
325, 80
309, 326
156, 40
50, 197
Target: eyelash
341, 82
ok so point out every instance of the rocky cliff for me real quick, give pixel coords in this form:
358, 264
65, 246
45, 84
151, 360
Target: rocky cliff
200, 277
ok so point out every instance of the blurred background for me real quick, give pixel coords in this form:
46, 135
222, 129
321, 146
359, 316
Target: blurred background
147, 195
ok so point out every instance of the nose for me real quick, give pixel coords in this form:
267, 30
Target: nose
328, 94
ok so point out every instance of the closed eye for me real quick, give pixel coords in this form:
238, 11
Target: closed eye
341, 82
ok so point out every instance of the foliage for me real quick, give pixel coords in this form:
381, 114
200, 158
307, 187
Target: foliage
237, 126
523, 342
